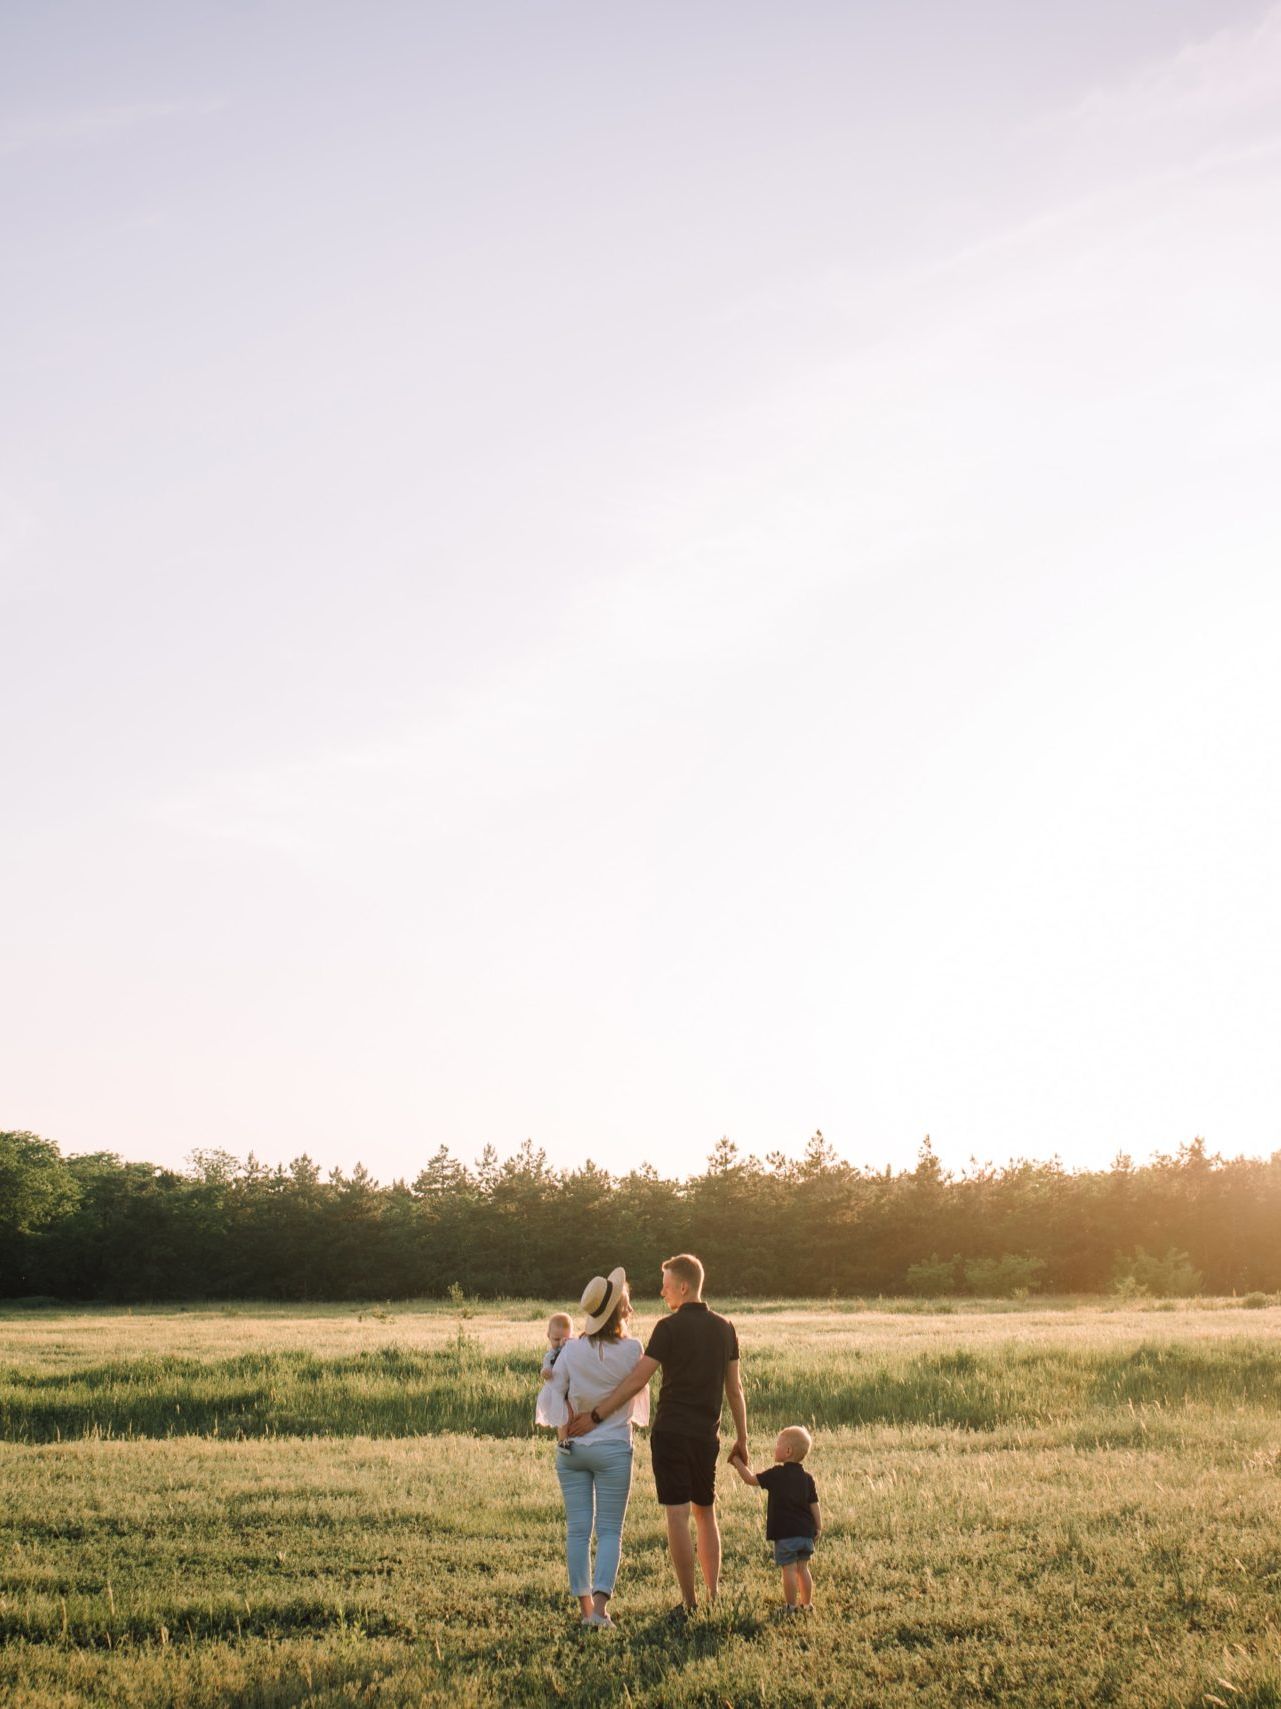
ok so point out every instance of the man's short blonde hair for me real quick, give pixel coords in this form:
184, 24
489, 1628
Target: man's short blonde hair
798, 1440
686, 1268
560, 1320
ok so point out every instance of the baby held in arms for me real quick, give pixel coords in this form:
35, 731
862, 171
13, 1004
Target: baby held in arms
560, 1329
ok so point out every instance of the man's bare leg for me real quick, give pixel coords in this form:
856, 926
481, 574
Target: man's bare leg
709, 1548
681, 1545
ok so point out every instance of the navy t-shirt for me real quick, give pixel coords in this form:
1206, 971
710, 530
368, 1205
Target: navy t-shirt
695, 1347
790, 1489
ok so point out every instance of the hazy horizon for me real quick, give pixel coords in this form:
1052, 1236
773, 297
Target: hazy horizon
619, 577
969, 1167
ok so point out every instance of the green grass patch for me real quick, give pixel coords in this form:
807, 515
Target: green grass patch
460, 1388
1021, 1512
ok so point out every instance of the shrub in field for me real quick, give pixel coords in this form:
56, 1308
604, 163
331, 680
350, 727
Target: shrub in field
1173, 1277
1003, 1278
932, 1275
1256, 1302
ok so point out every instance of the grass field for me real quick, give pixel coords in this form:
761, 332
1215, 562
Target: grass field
1063, 1503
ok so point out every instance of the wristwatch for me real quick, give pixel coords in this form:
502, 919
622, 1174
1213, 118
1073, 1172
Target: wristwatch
595, 1416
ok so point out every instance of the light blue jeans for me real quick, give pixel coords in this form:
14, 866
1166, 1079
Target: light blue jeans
595, 1477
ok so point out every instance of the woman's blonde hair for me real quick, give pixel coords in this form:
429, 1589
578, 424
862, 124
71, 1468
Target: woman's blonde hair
612, 1328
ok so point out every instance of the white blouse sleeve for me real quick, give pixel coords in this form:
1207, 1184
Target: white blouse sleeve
640, 1400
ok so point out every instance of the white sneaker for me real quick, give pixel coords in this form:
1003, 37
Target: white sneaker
597, 1620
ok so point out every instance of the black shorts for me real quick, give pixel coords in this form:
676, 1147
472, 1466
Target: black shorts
684, 1468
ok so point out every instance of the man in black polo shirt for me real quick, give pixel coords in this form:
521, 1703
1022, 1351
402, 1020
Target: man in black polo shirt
698, 1353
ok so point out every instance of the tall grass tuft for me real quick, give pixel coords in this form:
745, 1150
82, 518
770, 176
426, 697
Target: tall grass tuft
463, 1388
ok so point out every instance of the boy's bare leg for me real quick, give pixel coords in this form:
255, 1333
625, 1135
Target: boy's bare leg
806, 1583
709, 1548
681, 1545
789, 1586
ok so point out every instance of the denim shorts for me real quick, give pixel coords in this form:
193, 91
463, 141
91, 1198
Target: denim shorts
789, 1550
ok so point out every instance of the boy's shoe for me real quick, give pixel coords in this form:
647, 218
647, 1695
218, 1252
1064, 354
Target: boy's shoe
786, 1611
680, 1614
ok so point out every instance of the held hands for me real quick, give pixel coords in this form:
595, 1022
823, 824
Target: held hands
738, 1460
579, 1424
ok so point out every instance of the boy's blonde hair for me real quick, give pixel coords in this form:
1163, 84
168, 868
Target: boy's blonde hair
798, 1440
560, 1320
686, 1268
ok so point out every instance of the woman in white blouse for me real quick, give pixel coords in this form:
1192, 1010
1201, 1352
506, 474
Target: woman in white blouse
595, 1469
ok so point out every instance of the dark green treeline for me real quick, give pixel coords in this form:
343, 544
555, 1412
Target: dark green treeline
96, 1228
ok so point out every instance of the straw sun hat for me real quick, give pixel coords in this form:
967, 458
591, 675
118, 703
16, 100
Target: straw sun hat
600, 1296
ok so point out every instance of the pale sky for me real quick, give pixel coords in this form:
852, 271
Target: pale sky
619, 574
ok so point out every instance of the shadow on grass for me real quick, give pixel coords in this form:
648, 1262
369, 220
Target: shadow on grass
589, 1663
208, 1621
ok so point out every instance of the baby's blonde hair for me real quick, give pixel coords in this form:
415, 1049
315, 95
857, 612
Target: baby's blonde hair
798, 1439
560, 1320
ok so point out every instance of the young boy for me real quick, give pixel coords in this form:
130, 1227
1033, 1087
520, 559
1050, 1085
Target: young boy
560, 1328
792, 1520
